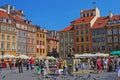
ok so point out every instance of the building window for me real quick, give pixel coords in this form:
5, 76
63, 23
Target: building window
3, 37
13, 38
109, 40
82, 48
32, 50
109, 48
2, 28
77, 32
87, 14
28, 50
8, 37
77, 39
82, 32
2, 45
9, 21
13, 45
115, 31
86, 38
103, 48
37, 50
109, 32
115, 39
4, 20
86, 31
83, 15
94, 48
116, 47
82, 39
8, 46
91, 14
102, 39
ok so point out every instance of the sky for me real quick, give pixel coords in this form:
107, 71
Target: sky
57, 14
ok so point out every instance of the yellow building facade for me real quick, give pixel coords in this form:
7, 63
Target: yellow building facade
8, 38
40, 43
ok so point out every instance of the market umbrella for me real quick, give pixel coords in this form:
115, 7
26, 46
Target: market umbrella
113, 53
101, 54
23, 56
8, 56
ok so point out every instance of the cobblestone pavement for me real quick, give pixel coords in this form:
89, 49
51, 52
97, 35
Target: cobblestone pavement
8, 74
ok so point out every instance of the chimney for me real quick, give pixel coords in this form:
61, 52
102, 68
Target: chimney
12, 8
8, 9
110, 14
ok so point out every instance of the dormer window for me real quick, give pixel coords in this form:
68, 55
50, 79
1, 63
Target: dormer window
4, 20
91, 14
9, 21
114, 21
87, 14
119, 21
83, 15
109, 22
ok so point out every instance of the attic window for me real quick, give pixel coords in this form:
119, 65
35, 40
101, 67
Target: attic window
99, 23
9, 21
4, 20
91, 14
87, 14
109, 22
114, 21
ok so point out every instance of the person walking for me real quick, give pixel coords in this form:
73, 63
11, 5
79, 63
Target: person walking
99, 67
118, 71
32, 61
27, 64
20, 69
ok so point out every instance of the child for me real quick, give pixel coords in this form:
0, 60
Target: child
39, 70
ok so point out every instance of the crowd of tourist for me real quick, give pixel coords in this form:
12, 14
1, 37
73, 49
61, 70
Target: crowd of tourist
59, 66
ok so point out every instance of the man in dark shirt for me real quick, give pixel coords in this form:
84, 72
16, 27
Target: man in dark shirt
20, 65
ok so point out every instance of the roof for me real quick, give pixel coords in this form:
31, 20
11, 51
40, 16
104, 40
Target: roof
86, 11
18, 12
4, 14
115, 17
83, 19
51, 38
16, 18
67, 28
100, 22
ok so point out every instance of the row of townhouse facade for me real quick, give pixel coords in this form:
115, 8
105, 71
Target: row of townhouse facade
20, 36
91, 33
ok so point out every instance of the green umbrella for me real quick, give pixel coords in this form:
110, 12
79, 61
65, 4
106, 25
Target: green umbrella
113, 53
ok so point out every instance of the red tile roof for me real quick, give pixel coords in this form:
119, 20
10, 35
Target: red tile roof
116, 17
16, 18
100, 22
83, 19
67, 28
18, 12
4, 14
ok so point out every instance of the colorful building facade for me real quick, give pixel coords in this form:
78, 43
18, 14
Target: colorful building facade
41, 42
8, 34
82, 30
17, 35
66, 40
